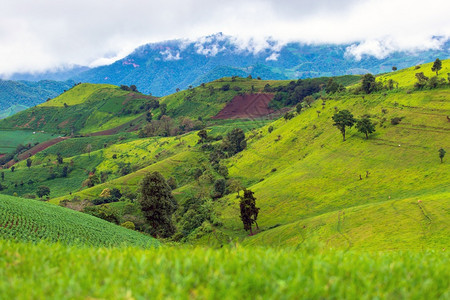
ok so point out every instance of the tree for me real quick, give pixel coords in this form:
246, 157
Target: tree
163, 109
249, 211
157, 204
203, 135
343, 119
437, 66
441, 154
65, 171
3, 176
13, 168
235, 141
59, 158
365, 126
43, 191
394, 68
421, 80
89, 149
29, 162
219, 188
368, 83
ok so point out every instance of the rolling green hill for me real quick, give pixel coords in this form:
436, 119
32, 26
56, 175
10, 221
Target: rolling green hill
30, 220
85, 108
387, 192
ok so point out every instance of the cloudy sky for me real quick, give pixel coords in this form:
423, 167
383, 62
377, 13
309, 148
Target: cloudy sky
37, 35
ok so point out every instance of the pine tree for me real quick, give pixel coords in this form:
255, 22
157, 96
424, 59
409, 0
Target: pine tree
158, 204
249, 211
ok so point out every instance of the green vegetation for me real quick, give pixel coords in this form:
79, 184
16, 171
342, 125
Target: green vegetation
10, 139
171, 272
31, 220
85, 108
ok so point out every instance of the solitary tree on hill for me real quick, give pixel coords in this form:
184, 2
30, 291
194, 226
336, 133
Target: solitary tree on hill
235, 141
89, 149
441, 154
343, 119
437, 66
249, 211
3, 176
365, 126
29, 162
158, 204
394, 68
59, 158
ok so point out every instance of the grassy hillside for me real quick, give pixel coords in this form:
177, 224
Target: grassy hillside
303, 170
9, 139
257, 273
31, 220
85, 108
406, 77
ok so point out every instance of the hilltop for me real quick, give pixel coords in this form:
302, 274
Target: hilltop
85, 108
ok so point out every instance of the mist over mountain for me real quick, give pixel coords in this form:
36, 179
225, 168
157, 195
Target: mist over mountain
161, 68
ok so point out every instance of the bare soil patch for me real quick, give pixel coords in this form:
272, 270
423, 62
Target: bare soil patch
247, 107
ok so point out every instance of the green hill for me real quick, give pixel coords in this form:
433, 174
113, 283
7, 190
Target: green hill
303, 172
387, 192
31, 220
85, 108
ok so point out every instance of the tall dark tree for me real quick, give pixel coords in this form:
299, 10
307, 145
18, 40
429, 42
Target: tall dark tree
437, 66
3, 176
157, 204
368, 83
59, 158
29, 162
65, 171
342, 120
249, 211
365, 126
441, 154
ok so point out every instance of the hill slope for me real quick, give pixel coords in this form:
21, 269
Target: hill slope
85, 108
31, 220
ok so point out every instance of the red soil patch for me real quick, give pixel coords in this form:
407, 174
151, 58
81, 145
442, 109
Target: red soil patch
63, 124
246, 107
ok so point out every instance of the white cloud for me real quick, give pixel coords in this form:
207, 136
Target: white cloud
273, 57
170, 55
41, 34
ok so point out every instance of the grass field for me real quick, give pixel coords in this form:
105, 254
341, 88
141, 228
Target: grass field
227, 273
32, 220
9, 139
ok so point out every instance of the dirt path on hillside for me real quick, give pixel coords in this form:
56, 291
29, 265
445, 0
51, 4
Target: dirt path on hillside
44, 145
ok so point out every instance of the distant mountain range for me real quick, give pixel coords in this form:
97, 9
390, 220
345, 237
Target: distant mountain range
161, 68
18, 95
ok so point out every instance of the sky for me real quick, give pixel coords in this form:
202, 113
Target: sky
40, 35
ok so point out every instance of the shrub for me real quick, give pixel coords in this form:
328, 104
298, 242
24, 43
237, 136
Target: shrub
396, 120
128, 225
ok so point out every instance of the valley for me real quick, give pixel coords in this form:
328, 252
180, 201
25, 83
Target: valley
338, 208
